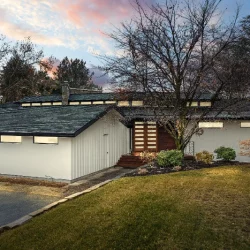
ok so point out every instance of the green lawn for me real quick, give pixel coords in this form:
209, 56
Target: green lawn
201, 209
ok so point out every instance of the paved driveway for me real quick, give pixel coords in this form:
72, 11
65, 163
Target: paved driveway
14, 205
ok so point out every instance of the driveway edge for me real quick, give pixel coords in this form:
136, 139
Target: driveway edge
28, 217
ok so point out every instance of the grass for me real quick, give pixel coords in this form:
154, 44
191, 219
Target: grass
200, 209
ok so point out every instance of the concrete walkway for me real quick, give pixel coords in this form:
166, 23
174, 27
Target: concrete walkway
95, 178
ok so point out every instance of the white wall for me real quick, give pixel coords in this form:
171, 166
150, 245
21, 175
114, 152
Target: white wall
99, 146
229, 136
36, 160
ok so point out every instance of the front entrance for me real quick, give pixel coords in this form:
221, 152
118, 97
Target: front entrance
145, 137
149, 136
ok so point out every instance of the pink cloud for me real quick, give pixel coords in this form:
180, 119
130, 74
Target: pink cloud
96, 12
55, 65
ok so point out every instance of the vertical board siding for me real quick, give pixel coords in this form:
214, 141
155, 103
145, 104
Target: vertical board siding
89, 149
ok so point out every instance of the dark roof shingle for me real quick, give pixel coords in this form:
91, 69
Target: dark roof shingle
67, 121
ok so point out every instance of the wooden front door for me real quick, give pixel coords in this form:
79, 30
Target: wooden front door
145, 137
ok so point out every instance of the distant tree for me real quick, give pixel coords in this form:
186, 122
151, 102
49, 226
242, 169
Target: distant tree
234, 62
4, 48
171, 52
76, 73
25, 72
245, 33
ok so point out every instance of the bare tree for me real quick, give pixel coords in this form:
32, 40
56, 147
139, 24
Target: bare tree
171, 53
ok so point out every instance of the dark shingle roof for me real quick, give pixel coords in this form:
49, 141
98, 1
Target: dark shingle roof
62, 121
72, 97
45, 98
9, 105
238, 111
98, 97
82, 97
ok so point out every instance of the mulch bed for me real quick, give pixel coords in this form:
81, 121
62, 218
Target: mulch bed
188, 165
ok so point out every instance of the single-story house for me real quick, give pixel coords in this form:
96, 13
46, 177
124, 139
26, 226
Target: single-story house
65, 137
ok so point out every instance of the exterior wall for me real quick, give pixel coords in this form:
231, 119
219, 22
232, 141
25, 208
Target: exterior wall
229, 136
165, 141
36, 160
99, 146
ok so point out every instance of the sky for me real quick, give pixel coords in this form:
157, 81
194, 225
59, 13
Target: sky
75, 28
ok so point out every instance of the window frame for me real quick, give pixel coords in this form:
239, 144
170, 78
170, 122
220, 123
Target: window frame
15, 142
212, 127
248, 122
46, 143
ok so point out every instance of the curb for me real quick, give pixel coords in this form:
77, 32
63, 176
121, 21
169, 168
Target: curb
28, 217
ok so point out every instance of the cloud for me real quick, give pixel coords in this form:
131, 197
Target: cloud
91, 13
76, 24
55, 64
99, 77
19, 30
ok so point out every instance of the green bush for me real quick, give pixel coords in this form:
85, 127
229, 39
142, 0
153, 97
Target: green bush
227, 154
169, 158
204, 156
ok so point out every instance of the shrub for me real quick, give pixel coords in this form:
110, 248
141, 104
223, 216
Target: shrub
169, 158
147, 156
226, 154
204, 156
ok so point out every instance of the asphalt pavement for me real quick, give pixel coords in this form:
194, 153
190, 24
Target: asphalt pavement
14, 205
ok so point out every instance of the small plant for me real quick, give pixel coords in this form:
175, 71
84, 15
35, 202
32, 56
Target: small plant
227, 154
147, 156
204, 156
169, 158
245, 147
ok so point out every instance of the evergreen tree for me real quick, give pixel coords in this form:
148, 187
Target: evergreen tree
76, 73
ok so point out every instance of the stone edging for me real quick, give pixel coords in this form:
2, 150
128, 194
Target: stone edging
28, 217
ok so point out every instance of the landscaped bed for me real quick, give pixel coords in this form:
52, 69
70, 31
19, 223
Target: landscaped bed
153, 168
201, 209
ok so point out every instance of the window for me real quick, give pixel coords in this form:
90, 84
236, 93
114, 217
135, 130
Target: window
85, 103
25, 104
46, 103
245, 124
74, 103
123, 103
11, 138
210, 124
98, 102
35, 104
137, 103
57, 103
110, 102
193, 104
205, 104
45, 140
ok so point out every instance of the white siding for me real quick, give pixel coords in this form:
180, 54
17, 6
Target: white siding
99, 146
229, 136
36, 160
